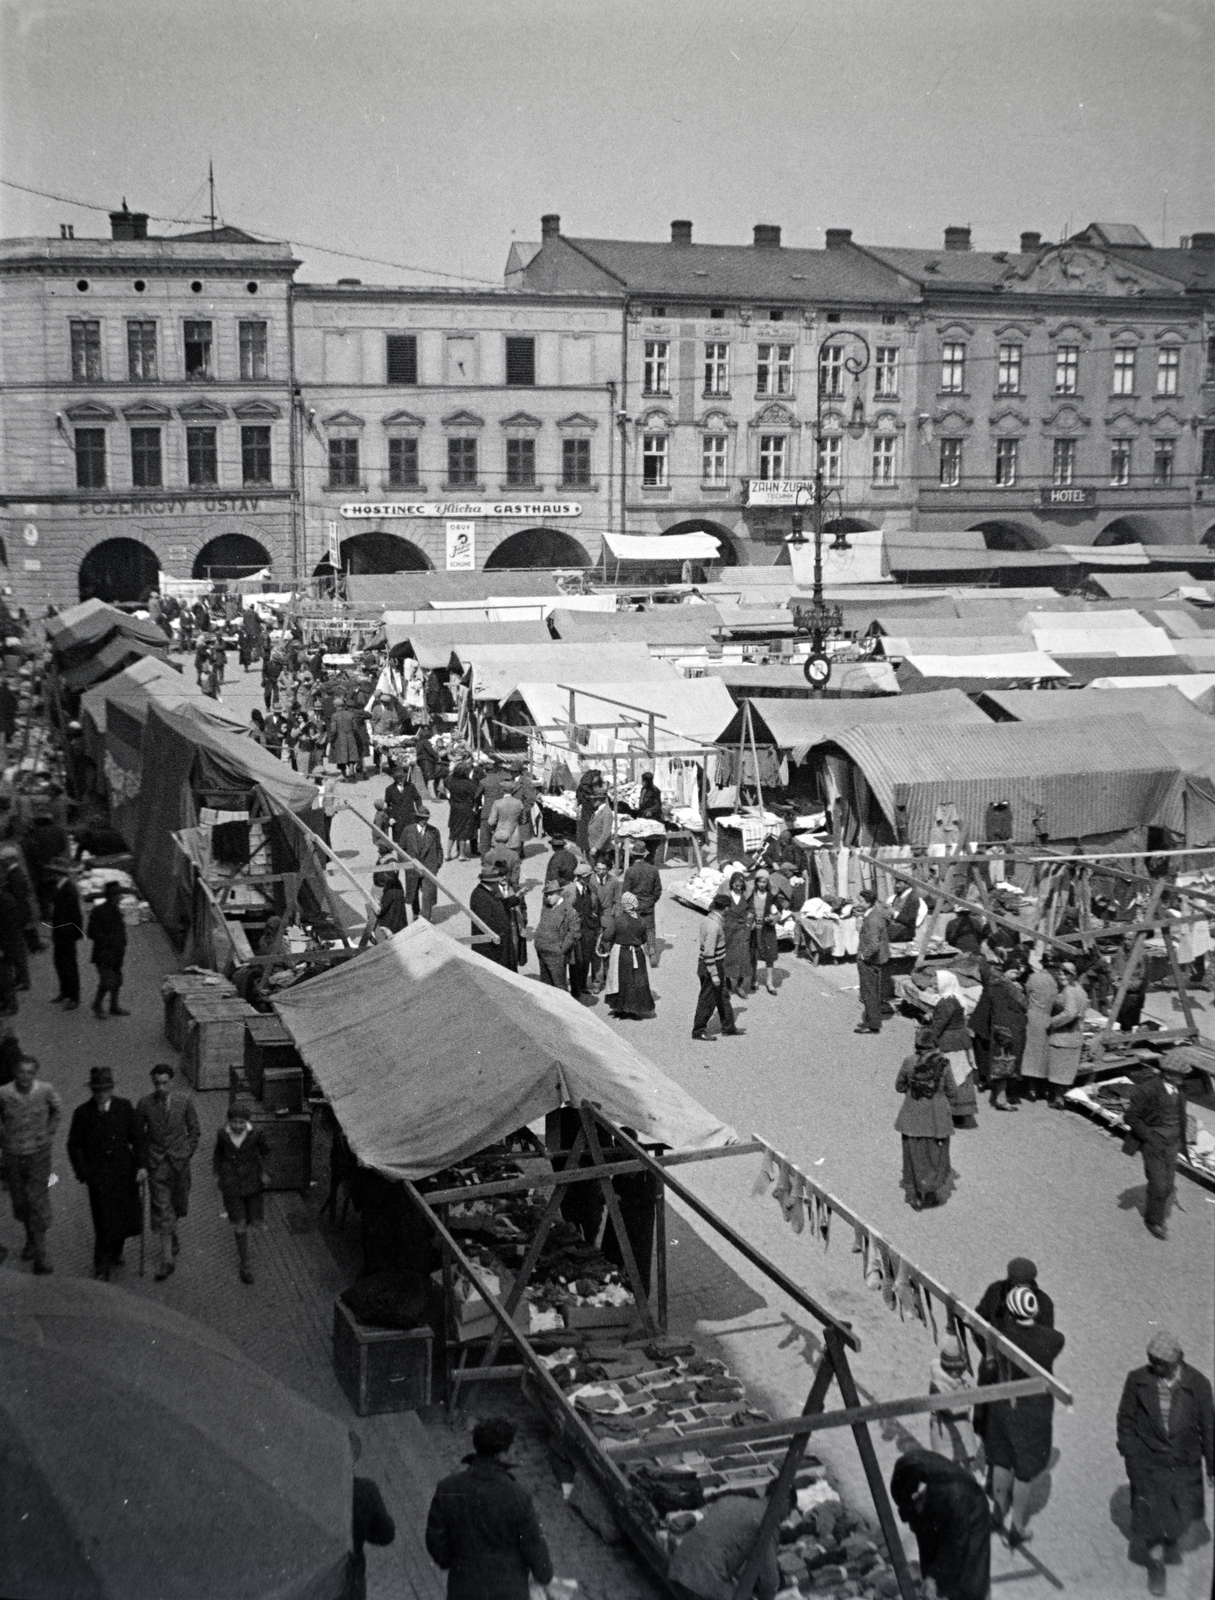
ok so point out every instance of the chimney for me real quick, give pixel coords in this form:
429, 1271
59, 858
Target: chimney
550, 225
681, 233
1030, 242
837, 238
126, 224
957, 238
1202, 241
767, 236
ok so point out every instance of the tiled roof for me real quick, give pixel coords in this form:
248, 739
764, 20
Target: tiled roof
1193, 267
971, 269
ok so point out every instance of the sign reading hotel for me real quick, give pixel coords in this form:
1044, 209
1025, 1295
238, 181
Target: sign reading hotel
780, 491
461, 547
363, 509
1068, 497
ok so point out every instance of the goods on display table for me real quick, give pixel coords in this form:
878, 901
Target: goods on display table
740, 834
1107, 1102
91, 885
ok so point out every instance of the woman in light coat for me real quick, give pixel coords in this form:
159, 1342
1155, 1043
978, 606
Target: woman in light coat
1041, 992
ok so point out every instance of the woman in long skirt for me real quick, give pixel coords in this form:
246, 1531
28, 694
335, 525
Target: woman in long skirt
925, 1120
737, 920
628, 975
767, 909
947, 1031
1041, 992
462, 812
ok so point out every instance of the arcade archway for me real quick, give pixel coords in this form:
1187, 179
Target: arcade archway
849, 525
1131, 530
1208, 537
232, 555
1001, 535
118, 569
537, 547
727, 549
381, 553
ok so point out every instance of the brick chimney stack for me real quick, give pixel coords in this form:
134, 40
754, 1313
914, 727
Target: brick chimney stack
550, 225
837, 238
767, 236
681, 233
126, 224
1030, 242
957, 238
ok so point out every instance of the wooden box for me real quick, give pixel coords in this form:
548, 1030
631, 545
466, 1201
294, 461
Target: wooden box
289, 1138
215, 1038
282, 1089
267, 1044
174, 990
381, 1369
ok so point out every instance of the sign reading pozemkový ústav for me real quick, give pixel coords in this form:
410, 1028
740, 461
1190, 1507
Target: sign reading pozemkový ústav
780, 491
362, 509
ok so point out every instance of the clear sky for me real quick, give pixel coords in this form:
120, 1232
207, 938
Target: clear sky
429, 132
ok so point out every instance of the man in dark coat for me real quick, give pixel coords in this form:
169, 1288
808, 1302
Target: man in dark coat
348, 741
67, 930
108, 932
872, 959
641, 878
401, 804
998, 1024
562, 864
169, 1134
14, 955
393, 914
482, 1528
585, 906
104, 1148
47, 846
8, 711
421, 840
491, 786
1156, 1116
1166, 1432
492, 901
947, 1511
1020, 1272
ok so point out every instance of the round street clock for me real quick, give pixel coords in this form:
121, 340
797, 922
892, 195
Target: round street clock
817, 671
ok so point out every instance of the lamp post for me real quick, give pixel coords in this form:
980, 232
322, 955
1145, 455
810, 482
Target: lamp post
825, 620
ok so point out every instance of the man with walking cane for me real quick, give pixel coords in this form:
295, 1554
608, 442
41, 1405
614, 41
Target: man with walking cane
169, 1130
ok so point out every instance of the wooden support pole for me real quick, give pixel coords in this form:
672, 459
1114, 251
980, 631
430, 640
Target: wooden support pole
416, 866
660, 1250
612, 1200
621, 1169
873, 1474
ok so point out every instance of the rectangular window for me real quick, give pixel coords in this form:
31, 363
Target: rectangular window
462, 461
141, 352
521, 363
831, 371
1124, 369
1063, 463
654, 460
1067, 368
717, 368
713, 448
883, 458
145, 458
951, 463
90, 458
1209, 374
1120, 463
401, 357
1168, 369
656, 368
575, 462
1207, 468
1162, 461
831, 460
772, 455
198, 350
202, 457
953, 367
255, 454
344, 464
774, 369
86, 352
520, 461
886, 372
403, 463
1007, 451
254, 362
1008, 369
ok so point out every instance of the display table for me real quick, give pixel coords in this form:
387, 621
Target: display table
174, 990
381, 1369
214, 1038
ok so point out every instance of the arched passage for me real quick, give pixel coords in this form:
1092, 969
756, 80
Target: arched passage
1001, 535
118, 569
1208, 537
537, 547
849, 525
727, 549
232, 555
1130, 530
381, 553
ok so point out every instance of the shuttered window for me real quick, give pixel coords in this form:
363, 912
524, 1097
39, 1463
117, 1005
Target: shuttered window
521, 363
402, 357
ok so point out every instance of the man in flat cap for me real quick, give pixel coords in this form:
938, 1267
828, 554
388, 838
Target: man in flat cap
1166, 1434
104, 1148
1156, 1116
169, 1136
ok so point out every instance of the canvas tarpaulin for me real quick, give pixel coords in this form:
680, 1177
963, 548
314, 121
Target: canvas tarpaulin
428, 1052
798, 725
659, 627
496, 669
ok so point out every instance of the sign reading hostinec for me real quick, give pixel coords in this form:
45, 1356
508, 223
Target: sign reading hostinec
780, 491
461, 546
374, 509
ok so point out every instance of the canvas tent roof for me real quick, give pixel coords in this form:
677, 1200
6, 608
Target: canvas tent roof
771, 621
659, 626
434, 643
134, 684
663, 547
497, 668
1079, 779
687, 709
789, 681
408, 591
1198, 687
1138, 585
982, 667
864, 561
912, 643
798, 725
1084, 669
92, 621
428, 1052
117, 651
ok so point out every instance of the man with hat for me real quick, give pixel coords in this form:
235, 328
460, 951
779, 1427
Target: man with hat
584, 903
67, 930
641, 878
421, 840
104, 1148
108, 932
1166, 1432
169, 1136
1156, 1116
872, 959
495, 905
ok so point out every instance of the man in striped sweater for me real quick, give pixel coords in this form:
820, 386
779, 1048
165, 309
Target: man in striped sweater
710, 970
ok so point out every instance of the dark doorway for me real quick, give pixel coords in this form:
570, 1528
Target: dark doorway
232, 555
727, 551
119, 569
1010, 536
381, 553
537, 547
1129, 530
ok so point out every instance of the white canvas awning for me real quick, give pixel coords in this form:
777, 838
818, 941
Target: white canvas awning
660, 547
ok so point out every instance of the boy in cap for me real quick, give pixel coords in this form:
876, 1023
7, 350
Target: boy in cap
951, 1433
169, 1135
1157, 1118
104, 1148
239, 1163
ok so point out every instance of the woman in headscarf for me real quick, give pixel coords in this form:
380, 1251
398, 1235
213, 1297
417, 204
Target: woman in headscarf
767, 909
998, 1025
947, 1032
1017, 1434
1065, 1035
737, 919
925, 1121
628, 975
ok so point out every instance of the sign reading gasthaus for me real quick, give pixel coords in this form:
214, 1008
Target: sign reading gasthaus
461, 508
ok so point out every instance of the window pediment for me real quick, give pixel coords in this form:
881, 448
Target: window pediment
522, 419
1066, 419
1013, 330
1009, 419
954, 420
201, 411
264, 409
463, 419
955, 330
655, 420
90, 411
402, 419
1122, 335
147, 411
577, 419
717, 422
1123, 418
1069, 333
344, 419
775, 416
1169, 420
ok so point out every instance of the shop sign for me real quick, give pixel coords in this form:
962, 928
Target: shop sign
373, 510
167, 507
780, 491
1060, 499
461, 546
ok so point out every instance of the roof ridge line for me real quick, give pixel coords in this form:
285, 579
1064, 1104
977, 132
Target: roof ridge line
587, 256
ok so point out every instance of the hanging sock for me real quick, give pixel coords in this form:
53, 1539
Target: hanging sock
824, 1224
902, 1290
918, 1297
890, 1264
784, 1181
797, 1197
873, 1266
858, 1240
766, 1176
929, 1316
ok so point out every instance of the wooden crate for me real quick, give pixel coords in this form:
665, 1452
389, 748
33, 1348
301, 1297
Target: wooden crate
267, 1044
289, 1164
175, 989
215, 1039
282, 1089
381, 1369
